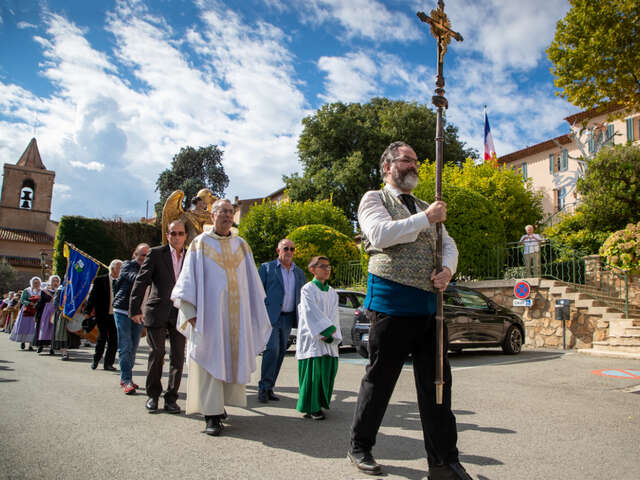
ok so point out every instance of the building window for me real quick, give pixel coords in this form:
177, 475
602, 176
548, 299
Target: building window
610, 135
630, 132
560, 199
523, 167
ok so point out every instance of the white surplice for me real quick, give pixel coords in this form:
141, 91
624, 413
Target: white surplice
219, 286
317, 311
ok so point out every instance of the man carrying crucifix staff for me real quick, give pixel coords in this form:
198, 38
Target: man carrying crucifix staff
412, 259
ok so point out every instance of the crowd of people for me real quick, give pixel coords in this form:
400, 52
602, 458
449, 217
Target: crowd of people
219, 313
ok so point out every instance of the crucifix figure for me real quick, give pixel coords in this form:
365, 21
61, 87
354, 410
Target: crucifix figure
440, 29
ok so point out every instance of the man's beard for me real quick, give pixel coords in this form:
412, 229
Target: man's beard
407, 181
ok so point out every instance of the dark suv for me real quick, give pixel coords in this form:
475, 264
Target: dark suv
473, 321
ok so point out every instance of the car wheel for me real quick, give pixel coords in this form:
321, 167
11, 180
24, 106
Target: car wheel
363, 351
513, 341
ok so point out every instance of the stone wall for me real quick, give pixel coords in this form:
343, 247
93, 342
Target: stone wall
541, 327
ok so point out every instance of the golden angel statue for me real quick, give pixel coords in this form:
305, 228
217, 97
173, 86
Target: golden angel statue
195, 217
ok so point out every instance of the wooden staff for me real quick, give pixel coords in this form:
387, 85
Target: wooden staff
440, 29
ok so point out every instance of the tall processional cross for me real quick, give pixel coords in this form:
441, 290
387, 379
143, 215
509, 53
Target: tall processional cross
441, 30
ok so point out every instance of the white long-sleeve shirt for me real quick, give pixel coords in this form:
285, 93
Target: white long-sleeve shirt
383, 232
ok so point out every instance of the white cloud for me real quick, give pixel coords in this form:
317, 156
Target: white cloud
62, 191
97, 166
230, 83
368, 19
23, 25
350, 78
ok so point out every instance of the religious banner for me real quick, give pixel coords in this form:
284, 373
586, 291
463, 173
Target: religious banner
81, 271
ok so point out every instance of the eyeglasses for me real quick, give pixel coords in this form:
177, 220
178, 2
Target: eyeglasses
406, 160
180, 234
288, 249
324, 267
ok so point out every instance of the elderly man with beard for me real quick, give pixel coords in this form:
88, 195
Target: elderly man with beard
399, 235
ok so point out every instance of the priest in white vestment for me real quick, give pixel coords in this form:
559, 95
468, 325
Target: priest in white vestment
221, 311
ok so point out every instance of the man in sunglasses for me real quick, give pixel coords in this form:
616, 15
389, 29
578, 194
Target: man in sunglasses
160, 271
282, 281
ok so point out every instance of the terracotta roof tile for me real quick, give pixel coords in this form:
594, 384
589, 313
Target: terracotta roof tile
26, 236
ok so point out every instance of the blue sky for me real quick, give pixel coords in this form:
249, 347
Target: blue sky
113, 89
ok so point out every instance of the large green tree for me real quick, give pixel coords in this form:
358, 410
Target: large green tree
192, 170
596, 53
610, 189
341, 144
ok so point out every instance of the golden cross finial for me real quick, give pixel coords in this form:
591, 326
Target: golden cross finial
440, 28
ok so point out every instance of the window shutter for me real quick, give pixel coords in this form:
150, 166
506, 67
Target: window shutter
551, 163
565, 160
630, 129
591, 146
524, 171
610, 134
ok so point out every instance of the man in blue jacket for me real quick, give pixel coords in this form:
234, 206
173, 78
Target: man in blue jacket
282, 282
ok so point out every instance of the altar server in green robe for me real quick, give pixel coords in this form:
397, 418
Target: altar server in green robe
317, 342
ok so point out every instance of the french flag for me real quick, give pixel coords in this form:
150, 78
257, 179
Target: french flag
489, 149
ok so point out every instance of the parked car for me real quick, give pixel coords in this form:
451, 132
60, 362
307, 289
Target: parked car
473, 321
348, 302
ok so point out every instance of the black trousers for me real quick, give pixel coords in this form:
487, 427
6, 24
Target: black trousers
156, 338
391, 340
107, 335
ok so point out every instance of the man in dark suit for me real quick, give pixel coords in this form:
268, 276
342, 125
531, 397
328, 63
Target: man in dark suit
160, 270
282, 282
99, 302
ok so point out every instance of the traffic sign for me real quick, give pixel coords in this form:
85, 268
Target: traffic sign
521, 290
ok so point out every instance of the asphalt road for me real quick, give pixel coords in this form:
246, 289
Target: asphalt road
538, 415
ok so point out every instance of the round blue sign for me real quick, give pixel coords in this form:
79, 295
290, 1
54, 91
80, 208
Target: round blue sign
522, 290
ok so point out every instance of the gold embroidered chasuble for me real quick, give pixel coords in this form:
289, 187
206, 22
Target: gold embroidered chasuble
232, 327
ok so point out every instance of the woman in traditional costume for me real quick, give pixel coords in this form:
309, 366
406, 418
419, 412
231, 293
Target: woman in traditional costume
8, 308
62, 339
25, 325
43, 333
317, 341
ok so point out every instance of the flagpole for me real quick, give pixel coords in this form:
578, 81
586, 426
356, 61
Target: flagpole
71, 245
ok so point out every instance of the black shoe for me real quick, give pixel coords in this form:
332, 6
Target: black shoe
94, 365
214, 426
450, 471
319, 415
111, 368
51, 352
22, 345
365, 462
171, 407
263, 397
40, 348
272, 397
152, 404
224, 415
30, 348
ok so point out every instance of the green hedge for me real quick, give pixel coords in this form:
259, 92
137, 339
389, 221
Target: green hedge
102, 239
312, 240
267, 223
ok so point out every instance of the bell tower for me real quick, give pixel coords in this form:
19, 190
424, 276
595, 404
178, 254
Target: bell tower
26, 230
27, 190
